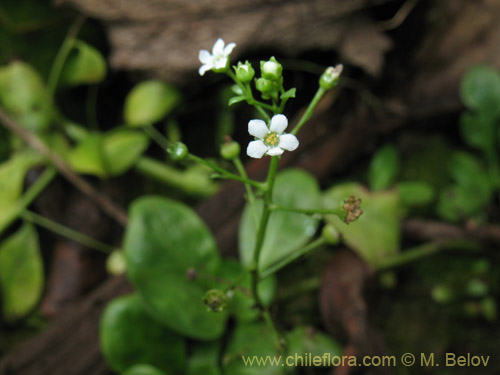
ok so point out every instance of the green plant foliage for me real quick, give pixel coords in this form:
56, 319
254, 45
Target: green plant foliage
479, 130
376, 234
204, 359
87, 157
144, 370
163, 241
149, 102
129, 336
287, 231
240, 305
23, 94
384, 168
415, 193
85, 65
21, 273
480, 89
254, 339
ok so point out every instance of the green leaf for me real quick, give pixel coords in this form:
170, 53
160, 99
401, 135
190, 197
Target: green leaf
304, 340
288, 94
129, 336
149, 102
122, 149
376, 234
241, 304
480, 89
415, 193
85, 65
144, 370
384, 168
88, 156
163, 241
254, 339
479, 131
24, 96
204, 359
236, 99
21, 273
287, 232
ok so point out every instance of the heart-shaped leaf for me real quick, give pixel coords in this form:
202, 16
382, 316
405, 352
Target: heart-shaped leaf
164, 240
130, 336
287, 232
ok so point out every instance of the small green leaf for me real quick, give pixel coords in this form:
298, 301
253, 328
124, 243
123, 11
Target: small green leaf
304, 340
479, 131
287, 232
384, 168
164, 241
129, 336
122, 149
149, 102
24, 96
85, 65
376, 234
415, 193
21, 273
288, 94
143, 370
88, 156
236, 99
480, 89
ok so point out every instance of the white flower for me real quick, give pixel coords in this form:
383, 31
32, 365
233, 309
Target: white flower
272, 141
218, 59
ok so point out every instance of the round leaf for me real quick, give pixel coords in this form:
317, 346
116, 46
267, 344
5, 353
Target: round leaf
384, 168
480, 89
85, 65
165, 239
149, 102
129, 336
286, 232
122, 149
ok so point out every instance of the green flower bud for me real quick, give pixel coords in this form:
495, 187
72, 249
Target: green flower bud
115, 264
215, 300
264, 85
245, 72
178, 151
271, 69
230, 150
330, 235
330, 78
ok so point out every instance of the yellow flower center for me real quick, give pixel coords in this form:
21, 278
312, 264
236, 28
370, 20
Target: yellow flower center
271, 139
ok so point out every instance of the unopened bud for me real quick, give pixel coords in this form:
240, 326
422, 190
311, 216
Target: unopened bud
330, 78
230, 150
178, 151
245, 72
330, 235
271, 69
215, 300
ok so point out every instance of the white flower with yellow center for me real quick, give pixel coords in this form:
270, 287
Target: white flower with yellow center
271, 140
218, 60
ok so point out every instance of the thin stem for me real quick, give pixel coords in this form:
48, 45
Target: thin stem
66, 232
251, 197
31, 194
223, 172
156, 136
309, 111
338, 212
62, 55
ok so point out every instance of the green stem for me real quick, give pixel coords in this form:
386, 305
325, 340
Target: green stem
66, 232
338, 212
62, 55
223, 172
31, 194
156, 136
251, 197
309, 111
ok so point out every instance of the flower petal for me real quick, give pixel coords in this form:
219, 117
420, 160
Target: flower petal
256, 149
205, 56
229, 48
275, 151
204, 68
257, 128
218, 48
220, 62
288, 142
279, 123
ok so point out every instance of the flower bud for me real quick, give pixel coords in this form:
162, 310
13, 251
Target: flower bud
245, 72
178, 151
330, 235
330, 78
115, 264
215, 300
271, 69
230, 150
264, 85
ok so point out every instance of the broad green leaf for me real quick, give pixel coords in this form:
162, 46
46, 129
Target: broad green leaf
149, 102
236, 99
130, 336
204, 359
144, 370
85, 65
468, 171
286, 232
122, 149
480, 89
384, 168
88, 156
305, 341
163, 241
249, 340
415, 193
21, 273
24, 96
376, 234
241, 304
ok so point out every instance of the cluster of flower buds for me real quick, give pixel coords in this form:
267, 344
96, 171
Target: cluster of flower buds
352, 208
215, 300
